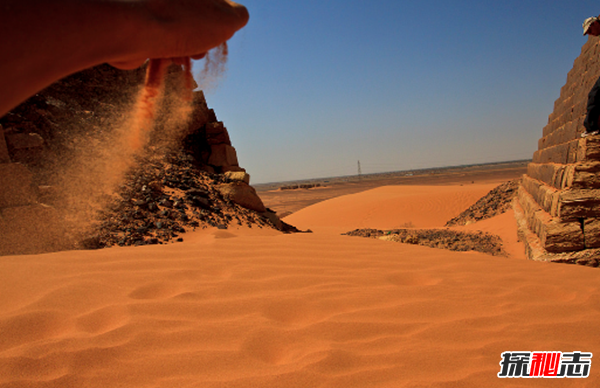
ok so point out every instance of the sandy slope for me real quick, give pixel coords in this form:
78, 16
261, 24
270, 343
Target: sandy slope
255, 308
390, 207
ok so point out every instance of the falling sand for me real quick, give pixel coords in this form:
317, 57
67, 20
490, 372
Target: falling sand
157, 121
145, 110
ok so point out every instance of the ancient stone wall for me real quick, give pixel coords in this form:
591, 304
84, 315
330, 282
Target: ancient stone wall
26, 226
558, 206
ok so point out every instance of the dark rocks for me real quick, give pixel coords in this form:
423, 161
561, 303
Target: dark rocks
200, 202
494, 203
242, 194
93, 242
172, 189
438, 238
190, 199
197, 193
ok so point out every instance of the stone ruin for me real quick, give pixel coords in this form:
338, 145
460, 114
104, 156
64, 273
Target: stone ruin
31, 137
558, 204
19, 205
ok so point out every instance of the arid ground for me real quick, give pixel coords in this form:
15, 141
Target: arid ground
253, 307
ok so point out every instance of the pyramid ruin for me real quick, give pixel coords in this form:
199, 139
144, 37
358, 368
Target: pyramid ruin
35, 136
558, 204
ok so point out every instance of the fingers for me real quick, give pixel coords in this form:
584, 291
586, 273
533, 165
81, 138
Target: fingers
241, 12
128, 65
184, 29
180, 60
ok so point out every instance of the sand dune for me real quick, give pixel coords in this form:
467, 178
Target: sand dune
402, 206
390, 207
255, 308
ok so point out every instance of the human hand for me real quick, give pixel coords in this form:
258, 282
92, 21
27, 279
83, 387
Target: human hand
181, 28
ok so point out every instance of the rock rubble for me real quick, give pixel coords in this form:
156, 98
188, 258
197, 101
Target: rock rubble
438, 238
189, 177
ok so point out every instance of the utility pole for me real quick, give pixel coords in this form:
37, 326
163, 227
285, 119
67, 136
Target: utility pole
359, 172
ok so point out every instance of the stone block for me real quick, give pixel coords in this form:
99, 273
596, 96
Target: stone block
589, 149
198, 119
585, 176
565, 153
568, 205
212, 116
24, 141
222, 155
199, 115
530, 209
555, 236
580, 107
548, 128
561, 135
546, 173
554, 154
4, 157
198, 98
559, 236
30, 229
575, 204
591, 230
16, 185
240, 176
532, 243
528, 204
561, 176
582, 95
25, 147
232, 168
216, 133
547, 197
242, 194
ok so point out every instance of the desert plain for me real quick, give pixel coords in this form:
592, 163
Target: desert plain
252, 307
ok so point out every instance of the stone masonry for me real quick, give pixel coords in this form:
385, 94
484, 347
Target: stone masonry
32, 135
558, 204
26, 226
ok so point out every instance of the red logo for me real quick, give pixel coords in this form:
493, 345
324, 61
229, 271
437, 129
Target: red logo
545, 365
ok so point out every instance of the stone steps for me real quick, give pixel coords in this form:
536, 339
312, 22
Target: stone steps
534, 249
558, 204
561, 176
574, 151
563, 134
555, 236
568, 205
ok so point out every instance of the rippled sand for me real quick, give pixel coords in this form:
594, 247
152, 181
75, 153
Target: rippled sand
254, 308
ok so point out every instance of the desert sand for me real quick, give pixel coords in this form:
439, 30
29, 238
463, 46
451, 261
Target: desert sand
257, 308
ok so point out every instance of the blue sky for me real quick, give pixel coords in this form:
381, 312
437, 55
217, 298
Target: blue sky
312, 87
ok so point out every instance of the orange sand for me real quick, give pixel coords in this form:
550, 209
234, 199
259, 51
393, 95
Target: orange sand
390, 207
254, 308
